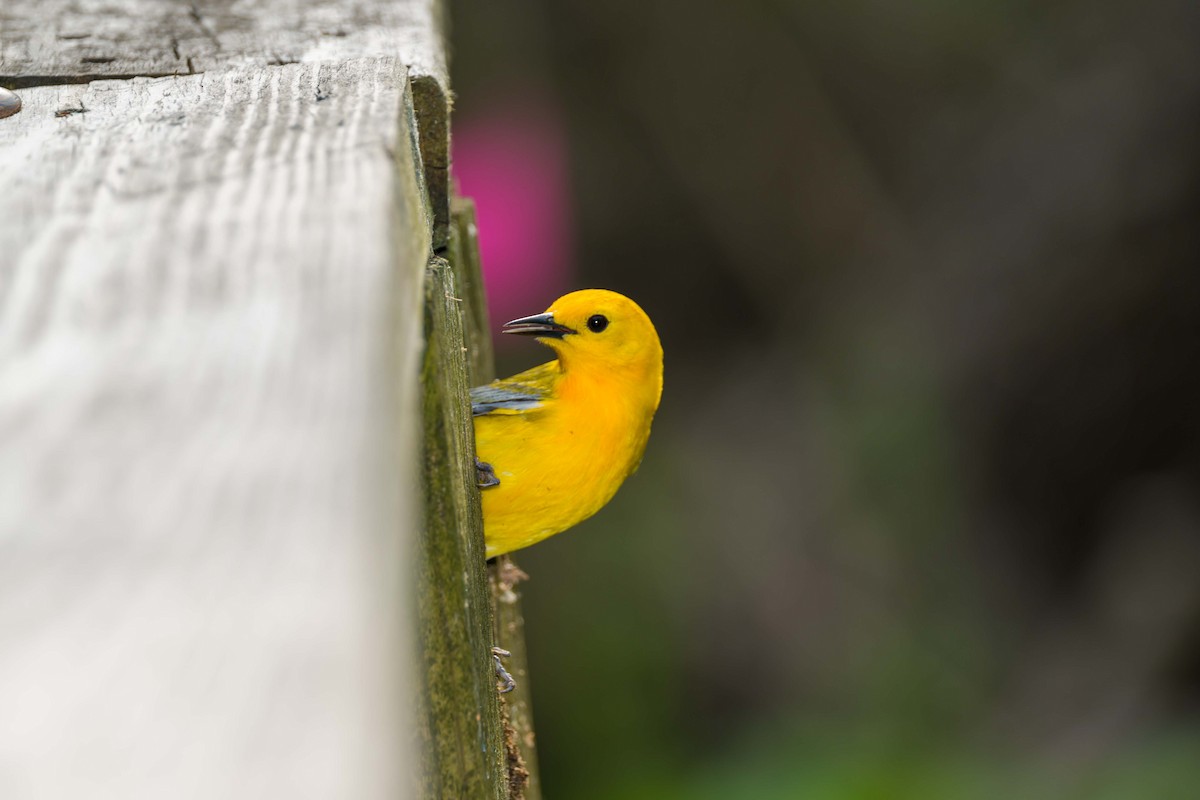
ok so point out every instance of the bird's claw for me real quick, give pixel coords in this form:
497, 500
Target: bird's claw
501, 673
485, 476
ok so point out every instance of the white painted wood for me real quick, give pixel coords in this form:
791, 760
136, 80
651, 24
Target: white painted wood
209, 339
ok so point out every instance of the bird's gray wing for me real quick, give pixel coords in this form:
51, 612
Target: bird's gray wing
498, 398
519, 394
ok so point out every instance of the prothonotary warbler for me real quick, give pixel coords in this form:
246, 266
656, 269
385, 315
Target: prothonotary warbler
558, 440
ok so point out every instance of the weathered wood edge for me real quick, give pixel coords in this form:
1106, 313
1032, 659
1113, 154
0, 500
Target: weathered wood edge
51, 42
431, 100
502, 573
520, 741
69, 41
464, 259
464, 755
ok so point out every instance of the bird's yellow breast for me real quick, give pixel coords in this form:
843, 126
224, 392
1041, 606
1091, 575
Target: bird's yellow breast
559, 464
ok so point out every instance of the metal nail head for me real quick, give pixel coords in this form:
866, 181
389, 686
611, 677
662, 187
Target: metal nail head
9, 103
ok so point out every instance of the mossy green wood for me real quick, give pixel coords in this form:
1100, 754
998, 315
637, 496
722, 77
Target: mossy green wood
504, 575
509, 621
463, 749
468, 274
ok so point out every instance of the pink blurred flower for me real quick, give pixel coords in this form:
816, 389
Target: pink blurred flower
511, 159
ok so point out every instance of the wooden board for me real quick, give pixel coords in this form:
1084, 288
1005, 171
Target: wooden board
503, 573
51, 42
210, 309
464, 756
45, 41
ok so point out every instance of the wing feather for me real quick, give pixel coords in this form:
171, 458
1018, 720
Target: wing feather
519, 394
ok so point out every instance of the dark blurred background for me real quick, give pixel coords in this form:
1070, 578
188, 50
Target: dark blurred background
920, 515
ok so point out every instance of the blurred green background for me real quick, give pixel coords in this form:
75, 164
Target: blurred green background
920, 515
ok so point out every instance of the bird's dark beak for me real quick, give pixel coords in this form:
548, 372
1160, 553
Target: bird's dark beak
539, 325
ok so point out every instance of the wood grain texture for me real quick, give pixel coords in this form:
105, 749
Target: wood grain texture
464, 260
503, 574
464, 754
49, 42
503, 577
210, 305
86, 39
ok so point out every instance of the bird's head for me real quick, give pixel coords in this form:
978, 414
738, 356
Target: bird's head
596, 328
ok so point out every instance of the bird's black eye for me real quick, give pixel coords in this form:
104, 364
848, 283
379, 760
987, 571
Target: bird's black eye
597, 323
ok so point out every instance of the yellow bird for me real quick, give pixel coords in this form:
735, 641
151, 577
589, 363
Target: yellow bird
555, 442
